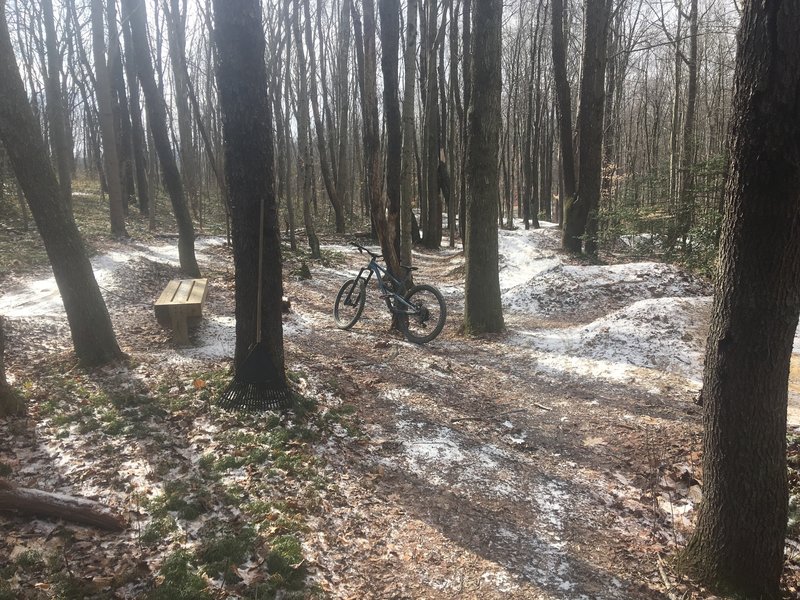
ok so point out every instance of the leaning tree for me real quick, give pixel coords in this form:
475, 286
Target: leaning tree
738, 545
89, 322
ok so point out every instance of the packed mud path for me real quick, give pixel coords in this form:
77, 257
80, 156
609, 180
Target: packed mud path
558, 459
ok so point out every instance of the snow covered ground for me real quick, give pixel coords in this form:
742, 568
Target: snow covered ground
641, 323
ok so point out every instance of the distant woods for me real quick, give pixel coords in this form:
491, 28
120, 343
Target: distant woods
618, 131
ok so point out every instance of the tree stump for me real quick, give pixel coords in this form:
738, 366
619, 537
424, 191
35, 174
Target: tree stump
10, 401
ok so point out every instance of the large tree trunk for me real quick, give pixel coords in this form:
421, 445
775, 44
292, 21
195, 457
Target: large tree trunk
92, 333
738, 546
432, 220
249, 173
62, 150
582, 219
579, 213
157, 119
407, 159
483, 312
564, 103
372, 141
390, 44
111, 162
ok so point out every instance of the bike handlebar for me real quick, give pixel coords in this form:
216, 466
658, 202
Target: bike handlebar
362, 249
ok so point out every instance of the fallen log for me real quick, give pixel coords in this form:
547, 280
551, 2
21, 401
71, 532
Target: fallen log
49, 504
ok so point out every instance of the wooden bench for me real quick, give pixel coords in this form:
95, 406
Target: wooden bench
180, 301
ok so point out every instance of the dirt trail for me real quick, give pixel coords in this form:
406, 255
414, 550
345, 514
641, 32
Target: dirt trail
480, 475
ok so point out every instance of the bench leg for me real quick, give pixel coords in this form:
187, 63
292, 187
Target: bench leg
180, 329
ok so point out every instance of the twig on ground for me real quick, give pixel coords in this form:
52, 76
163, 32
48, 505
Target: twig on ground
542, 406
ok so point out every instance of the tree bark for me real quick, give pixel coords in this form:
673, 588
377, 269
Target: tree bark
686, 175
122, 117
372, 142
89, 322
738, 546
249, 173
583, 210
111, 162
390, 45
564, 104
137, 129
581, 220
62, 151
483, 312
157, 119
407, 159
304, 154
432, 223
176, 20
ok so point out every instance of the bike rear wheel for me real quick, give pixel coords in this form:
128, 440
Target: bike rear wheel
426, 318
349, 303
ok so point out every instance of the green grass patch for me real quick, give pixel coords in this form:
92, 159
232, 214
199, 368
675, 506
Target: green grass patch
180, 580
158, 530
188, 501
226, 551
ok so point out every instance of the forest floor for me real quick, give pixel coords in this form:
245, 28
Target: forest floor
560, 459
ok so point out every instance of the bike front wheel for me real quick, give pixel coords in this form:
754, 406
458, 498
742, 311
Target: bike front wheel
349, 303
426, 316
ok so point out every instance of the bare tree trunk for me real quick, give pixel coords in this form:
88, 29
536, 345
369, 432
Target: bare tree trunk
372, 141
564, 104
737, 549
107, 130
304, 155
466, 70
390, 45
407, 160
342, 87
432, 224
685, 190
483, 312
62, 151
249, 164
157, 119
176, 21
92, 332
122, 117
324, 163
583, 208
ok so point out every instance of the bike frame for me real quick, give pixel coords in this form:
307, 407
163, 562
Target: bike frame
373, 268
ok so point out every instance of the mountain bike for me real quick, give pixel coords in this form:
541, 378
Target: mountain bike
421, 309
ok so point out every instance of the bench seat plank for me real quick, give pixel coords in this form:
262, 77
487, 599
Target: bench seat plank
181, 300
